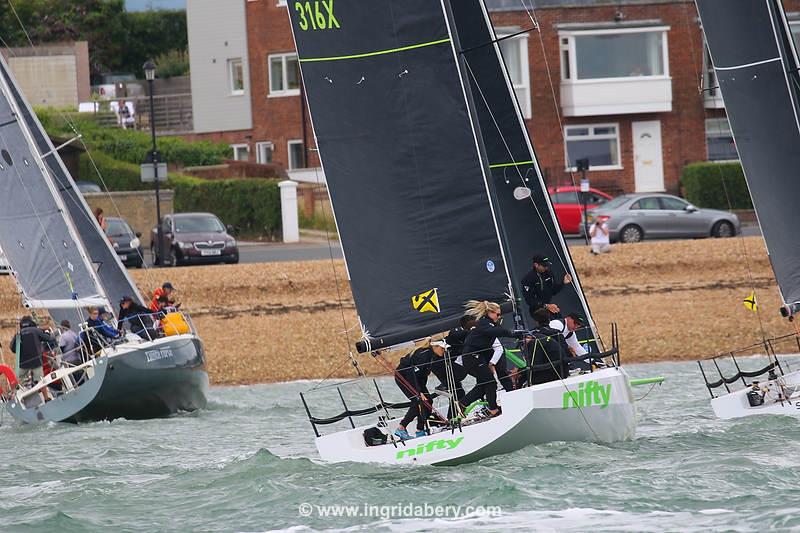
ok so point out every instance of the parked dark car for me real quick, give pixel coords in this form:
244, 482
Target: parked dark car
125, 242
635, 217
195, 238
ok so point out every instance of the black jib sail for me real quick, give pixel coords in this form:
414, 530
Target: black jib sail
528, 223
757, 69
402, 161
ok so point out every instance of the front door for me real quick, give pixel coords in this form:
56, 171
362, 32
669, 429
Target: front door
648, 165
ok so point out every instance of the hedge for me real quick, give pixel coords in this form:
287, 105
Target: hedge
132, 146
705, 185
253, 206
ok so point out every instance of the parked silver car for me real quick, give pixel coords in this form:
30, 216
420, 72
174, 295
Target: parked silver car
634, 217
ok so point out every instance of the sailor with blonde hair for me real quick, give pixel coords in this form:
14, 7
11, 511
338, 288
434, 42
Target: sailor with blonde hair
479, 349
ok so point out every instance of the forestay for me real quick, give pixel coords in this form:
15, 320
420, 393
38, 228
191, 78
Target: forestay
112, 273
35, 233
528, 223
402, 163
756, 65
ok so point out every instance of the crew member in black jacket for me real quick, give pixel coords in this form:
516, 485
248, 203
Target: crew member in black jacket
411, 376
30, 339
478, 351
548, 350
540, 285
136, 317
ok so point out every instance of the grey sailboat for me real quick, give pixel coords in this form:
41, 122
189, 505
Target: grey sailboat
756, 64
63, 263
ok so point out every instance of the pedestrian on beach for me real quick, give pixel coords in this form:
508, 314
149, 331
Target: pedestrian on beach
601, 243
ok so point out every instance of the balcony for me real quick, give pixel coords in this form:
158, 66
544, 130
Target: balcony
616, 96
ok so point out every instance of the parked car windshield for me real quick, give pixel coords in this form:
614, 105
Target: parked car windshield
565, 197
117, 226
616, 202
198, 225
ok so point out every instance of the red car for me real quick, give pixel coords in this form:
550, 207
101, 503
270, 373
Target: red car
568, 205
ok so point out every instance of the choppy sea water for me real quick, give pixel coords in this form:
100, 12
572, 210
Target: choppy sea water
248, 463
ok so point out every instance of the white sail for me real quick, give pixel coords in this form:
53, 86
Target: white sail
37, 237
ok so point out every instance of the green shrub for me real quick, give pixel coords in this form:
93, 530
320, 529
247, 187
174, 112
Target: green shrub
253, 206
129, 145
706, 184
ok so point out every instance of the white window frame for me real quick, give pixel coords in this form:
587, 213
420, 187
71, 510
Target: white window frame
231, 77
719, 134
573, 60
281, 92
592, 136
281, 3
259, 146
289, 144
524, 87
241, 146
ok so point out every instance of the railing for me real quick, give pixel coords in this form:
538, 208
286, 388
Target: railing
523, 380
173, 114
767, 346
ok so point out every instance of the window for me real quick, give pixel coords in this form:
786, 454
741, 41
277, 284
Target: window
296, 153
284, 75
709, 76
281, 3
264, 152
673, 204
719, 140
603, 54
647, 203
593, 198
598, 143
567, 197
241, 152
794, 26
236, 76
515, 56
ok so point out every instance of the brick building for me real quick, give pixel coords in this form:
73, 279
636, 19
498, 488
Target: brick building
615, 81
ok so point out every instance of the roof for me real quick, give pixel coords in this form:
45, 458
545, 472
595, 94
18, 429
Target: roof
521, 5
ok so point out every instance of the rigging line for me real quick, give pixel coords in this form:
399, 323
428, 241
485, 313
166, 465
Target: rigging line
71, 124
522, 182
353, 359
699, 74
35, 211
499, 39
563, 247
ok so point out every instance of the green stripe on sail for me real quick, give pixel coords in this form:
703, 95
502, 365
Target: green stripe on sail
378, 53
513, 164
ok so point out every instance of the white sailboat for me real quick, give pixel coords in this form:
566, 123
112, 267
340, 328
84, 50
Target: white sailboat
755, 59
438, 199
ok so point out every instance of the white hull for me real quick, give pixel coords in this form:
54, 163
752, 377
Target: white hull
736, 404
532, 415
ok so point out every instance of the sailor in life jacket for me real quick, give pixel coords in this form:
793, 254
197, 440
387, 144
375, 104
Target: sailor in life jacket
568, 326
540, 284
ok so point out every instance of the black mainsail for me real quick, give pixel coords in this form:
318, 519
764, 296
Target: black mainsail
423, 147
402, 163
756, 65
528, 224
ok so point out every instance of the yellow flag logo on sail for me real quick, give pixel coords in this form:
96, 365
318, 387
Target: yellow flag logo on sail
426, 302
750, 302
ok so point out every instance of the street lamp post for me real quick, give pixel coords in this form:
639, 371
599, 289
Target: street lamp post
150, 75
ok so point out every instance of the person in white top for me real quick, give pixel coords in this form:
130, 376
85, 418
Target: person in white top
599, 233
567, 327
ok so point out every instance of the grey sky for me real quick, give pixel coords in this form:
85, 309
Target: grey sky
140, 5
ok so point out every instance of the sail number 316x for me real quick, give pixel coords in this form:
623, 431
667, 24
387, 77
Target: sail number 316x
311, 16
